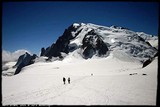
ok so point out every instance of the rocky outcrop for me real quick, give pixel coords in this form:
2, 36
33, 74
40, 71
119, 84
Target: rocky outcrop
147, 62
61, 44
118, 27
42, 52
24, 60
92, 44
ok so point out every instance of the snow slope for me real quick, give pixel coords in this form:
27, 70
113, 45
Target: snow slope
111, 77
88, 40
111, 84
118, 38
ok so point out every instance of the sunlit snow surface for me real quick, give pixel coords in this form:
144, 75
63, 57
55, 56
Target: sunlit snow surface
116, 38
118, 78
111, 84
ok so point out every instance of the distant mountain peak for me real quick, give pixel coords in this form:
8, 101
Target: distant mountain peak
84, 41
90, 40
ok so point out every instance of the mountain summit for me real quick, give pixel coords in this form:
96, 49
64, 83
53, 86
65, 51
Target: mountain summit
84, 41
88, 40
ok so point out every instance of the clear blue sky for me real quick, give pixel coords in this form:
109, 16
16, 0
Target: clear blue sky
33, 25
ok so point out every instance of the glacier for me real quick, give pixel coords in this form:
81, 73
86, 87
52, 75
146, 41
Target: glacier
112, 77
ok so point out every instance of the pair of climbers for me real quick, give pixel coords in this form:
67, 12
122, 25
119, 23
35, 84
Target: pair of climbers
64, 80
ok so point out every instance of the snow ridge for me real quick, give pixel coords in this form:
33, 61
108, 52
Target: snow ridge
103, 63
86, 41
138, 45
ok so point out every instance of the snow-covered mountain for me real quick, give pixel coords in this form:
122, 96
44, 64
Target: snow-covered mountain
88, 40
83, 41
111, 75
10, 58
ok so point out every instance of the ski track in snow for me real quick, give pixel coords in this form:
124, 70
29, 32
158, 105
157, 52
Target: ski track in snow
55, 92
62, 89
98, 94
114, 86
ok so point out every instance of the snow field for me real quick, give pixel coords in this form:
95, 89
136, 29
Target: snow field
111, 83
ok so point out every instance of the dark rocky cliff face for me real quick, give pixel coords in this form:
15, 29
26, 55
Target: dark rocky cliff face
148, 61
61, 44
24, 60
93, 43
